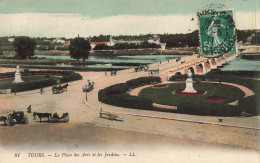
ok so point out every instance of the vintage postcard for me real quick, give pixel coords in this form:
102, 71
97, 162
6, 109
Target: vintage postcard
129, 81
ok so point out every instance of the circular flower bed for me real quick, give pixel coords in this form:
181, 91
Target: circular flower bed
160, 85
215, 99
180, 91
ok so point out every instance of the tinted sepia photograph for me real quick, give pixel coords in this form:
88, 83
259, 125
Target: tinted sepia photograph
130, 81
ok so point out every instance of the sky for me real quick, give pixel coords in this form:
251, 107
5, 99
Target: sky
68, 18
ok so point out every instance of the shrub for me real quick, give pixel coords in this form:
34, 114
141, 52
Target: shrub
32, 85
209, 110
143, 81
6, 75
117, 89
178, 77
249, 105
70, 77
125, 100
116, 94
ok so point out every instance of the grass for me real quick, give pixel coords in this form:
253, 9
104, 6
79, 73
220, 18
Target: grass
166, 97
7, 83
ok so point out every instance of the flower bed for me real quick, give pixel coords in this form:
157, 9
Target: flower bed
180, 91
215, 99
160, 85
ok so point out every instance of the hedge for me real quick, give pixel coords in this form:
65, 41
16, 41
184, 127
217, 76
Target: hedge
143, 81
116, 94
6, 75
210, 109
32, 85
178, 77
125, 100
70, 77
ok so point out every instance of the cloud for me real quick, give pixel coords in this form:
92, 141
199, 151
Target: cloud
70, 25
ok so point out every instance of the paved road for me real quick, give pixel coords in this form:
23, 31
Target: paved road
72, 101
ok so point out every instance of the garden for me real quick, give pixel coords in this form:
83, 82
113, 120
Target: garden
36, 79
213, 100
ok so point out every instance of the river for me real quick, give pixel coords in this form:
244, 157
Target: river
239, 64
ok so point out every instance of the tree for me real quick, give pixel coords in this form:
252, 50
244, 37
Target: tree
79, 48
101, 47
24, 46
42, 48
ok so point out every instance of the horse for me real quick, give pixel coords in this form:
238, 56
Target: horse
65, 87
64, 115
42, 115
3, 118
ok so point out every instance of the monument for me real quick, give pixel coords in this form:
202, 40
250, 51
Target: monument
17, 78
189, 84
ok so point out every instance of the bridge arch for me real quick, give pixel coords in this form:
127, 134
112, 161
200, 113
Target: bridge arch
192, 70
208, 64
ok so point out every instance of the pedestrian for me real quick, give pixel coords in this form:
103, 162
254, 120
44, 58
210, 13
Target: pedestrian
41, 90
105, 73
29, 109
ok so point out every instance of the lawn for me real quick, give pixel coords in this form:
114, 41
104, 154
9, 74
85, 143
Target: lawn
166, 97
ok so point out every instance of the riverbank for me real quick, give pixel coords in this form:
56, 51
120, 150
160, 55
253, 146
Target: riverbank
132, 52
93, 63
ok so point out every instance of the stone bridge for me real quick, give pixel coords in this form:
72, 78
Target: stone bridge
196, 64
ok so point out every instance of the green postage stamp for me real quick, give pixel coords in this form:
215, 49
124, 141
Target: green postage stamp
217, 32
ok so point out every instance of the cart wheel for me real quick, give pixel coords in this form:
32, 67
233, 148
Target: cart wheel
10, 123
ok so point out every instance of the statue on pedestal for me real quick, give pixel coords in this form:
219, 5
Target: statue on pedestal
17, 78
189, 84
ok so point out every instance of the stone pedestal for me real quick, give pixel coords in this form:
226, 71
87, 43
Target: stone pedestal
17, 78
189, 86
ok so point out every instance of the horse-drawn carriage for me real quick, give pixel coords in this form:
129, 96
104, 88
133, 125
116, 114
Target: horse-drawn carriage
17, 117
55, 118
141, 68
88, 87
59, 89
113, 73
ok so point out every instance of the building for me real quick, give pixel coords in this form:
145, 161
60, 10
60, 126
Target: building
154, 40
11, 39
94, 44
58, 40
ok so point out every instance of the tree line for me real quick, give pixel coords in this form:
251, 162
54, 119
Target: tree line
122, 46
79, 47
